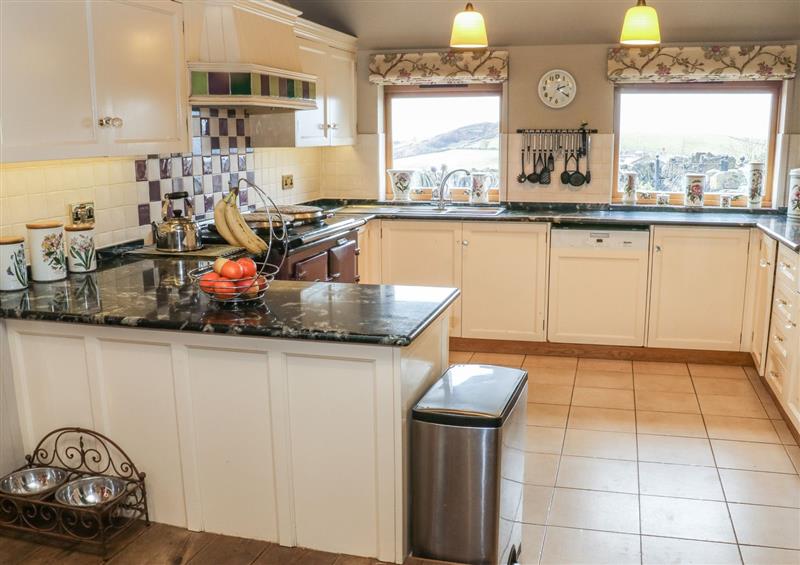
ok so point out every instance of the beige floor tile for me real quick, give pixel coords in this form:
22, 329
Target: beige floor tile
598, 474
663, 383
717, 371
766, 525
784, 434
794, 455
550, 361
504, 359
566, 545
751, 456
754, 487
769, 405
605, 364
532, 539
680, 481
550, 415
460, 357
604, 379
543, 440
670, 424
702, 520
541, 469
536, 503
663, 551
549, 394
742, 406
685, 403
660, 368
769, 556
673, 449
551, 375
740, 429
603, 419
609, 445
607, 511
725, 387
603, 398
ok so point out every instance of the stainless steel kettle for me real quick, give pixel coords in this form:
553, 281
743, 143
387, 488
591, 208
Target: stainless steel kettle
177, 232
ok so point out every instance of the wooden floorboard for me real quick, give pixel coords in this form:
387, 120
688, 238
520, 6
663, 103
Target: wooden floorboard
602, 351
229, 550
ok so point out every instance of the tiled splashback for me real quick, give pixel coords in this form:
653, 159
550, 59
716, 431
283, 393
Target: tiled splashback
127, 191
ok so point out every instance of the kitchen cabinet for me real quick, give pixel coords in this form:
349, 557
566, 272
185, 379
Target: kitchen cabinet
764, 278
369, 252
341, 96
504, 280
310, 125
420, 252
697, 287
85, 79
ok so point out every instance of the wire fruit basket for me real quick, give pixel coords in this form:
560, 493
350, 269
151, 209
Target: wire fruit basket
248, 288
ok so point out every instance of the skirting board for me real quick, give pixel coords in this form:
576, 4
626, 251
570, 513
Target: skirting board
792, 430
602, 351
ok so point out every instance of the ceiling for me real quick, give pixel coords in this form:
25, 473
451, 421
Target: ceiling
401, 24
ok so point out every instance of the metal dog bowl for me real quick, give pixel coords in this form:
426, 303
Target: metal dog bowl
90, 491
33, 481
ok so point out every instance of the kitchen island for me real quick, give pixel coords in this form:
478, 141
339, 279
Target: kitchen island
285, 423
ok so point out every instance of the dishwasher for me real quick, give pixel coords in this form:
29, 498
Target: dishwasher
598, 285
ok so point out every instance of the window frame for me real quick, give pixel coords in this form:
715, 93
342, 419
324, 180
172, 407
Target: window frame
391, 92
711, 199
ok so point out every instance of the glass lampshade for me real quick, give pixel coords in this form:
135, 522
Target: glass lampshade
469, 30
640, 26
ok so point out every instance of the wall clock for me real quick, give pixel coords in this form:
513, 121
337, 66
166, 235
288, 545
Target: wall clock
557, 88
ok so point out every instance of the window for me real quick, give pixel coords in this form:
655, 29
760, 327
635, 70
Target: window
666, 131
433, 130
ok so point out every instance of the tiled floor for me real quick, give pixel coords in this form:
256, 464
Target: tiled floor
654, 463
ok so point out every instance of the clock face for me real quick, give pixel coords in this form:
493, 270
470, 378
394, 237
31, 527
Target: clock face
557, 88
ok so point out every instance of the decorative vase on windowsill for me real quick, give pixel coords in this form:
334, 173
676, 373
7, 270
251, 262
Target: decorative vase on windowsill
401, 183
755, 190
694, 190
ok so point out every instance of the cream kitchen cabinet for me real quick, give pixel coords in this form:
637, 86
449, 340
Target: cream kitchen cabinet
369, 252
423, 253
85, 79
697, 287
504, 280
764, 279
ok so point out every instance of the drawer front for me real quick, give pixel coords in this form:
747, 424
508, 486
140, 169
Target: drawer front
788, 266
783, 341
785, 303
776, 374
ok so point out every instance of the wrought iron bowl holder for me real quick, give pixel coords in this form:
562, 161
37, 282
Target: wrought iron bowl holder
81, 453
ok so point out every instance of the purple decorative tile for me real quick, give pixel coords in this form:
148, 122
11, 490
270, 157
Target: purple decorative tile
234, 179
206, 165
209, 198
231, 113
187, 167
242, 162
165, 168
216, 182
197, 183
141, 169
144, 214
204, 127
177, 184
154, 190
243, 197
233, 143
214, 144
223, 126
225, 163
219, 83
240, 126
213, 112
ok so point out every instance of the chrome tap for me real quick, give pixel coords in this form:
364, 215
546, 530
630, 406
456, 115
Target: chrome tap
442, 201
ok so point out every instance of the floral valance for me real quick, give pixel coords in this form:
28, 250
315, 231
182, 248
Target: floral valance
440, 67
702, 64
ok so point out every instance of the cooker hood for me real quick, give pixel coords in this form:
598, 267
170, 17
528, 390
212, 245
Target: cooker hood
244, 53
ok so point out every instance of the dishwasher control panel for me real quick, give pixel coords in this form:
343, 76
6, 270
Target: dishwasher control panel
600, 238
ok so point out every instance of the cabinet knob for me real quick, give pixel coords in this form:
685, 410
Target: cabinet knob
334, 125
320, 126
777, 339
658, 249
465, 243
774, 375
116, 122
786, 266
764, 263
104, 121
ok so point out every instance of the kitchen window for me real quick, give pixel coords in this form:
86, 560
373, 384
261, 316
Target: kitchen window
666, 131
435, 129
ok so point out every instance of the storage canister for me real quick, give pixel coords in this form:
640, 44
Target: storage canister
755, 189
81, 256
793, 208
694, 189
48, 262
13, 269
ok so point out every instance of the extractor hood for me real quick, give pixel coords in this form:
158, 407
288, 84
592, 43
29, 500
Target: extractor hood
245, 53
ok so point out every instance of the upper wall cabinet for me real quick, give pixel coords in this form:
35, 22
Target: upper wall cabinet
87, 79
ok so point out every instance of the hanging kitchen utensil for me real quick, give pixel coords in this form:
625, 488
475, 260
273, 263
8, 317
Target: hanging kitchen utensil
588, 139
577, 178
565, 174
522, 177
544, 174
551, 160
533, 176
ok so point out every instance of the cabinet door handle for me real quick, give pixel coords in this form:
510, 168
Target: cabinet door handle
116, 122
782, 302
786, 266
465, 243
777, 339
334, 125
104, 121
790, 325
775, 375
321, 126
658, 249
764, 263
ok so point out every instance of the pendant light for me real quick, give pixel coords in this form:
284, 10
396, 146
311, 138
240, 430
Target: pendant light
469, 30
640, 26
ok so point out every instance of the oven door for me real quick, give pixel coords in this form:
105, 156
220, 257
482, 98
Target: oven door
315, 268
342, 262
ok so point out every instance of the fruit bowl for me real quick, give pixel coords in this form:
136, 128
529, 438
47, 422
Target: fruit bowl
237, 289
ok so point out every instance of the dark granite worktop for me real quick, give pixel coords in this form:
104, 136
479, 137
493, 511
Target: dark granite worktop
772, 222
157, 294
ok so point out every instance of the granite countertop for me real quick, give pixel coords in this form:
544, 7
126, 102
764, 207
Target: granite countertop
772, 222
156, 293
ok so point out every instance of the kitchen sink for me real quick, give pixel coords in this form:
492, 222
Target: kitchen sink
431, 210
474, 211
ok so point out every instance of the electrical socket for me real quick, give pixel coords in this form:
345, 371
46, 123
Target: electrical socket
82, 212
287, 182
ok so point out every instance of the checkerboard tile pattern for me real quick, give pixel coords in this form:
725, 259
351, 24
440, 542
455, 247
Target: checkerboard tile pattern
221, 155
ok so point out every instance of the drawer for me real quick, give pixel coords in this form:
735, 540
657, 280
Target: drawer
783, 340
777, 375
785, 303
788, 266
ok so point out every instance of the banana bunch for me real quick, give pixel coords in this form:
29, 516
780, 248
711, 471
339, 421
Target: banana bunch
231, 226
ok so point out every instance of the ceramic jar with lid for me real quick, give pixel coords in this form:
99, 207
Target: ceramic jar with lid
793, 207
755, 185
13, 269
694, 189
81, 256
48, 262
